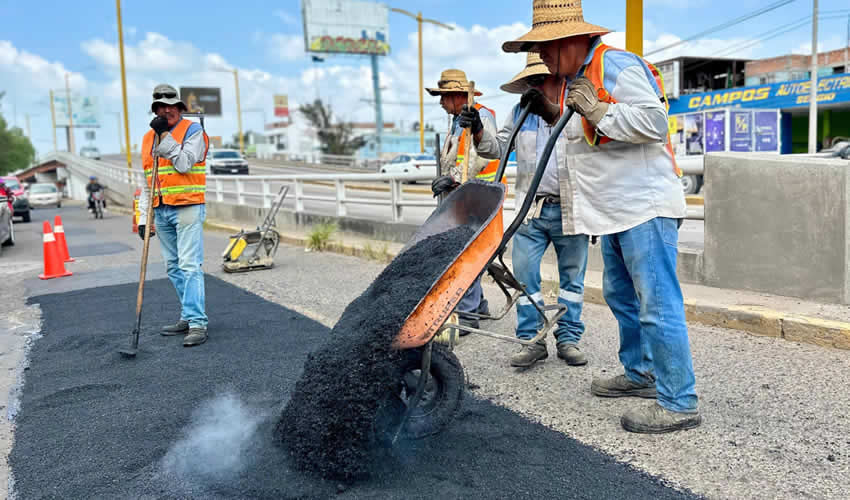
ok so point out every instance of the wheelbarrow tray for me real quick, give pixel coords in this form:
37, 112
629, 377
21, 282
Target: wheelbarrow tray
477, 204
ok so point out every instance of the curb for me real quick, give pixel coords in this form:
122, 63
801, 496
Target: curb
756, 320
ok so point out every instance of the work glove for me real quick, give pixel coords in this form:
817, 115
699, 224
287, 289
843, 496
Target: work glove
142, 232
540, 105
443, 184
471, 119
582, 96
159, 125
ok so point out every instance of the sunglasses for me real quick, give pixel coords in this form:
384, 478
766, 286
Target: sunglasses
166, 95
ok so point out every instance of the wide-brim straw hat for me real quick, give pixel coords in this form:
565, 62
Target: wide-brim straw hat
533, 66
164, 88
451, 80
553, 20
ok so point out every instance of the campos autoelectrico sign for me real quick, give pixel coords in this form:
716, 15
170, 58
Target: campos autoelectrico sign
346, 26
833, 89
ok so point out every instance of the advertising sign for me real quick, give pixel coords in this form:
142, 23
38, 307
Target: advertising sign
205, 100
281, 105
832, 89
85, 111
215, 141
715, 131
766, 131
693, 133
346, 27
742, 131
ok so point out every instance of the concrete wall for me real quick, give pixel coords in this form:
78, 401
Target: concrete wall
778, 224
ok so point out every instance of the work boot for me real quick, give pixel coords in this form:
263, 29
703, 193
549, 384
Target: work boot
621, 386
196, 336
571, 354
656, 419
468, 322
530, 354
180, 328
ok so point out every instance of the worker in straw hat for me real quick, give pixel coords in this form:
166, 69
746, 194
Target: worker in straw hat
178, 185
453, 89
622, 183
543, 225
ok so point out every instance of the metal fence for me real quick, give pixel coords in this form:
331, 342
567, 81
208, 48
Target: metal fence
259, 190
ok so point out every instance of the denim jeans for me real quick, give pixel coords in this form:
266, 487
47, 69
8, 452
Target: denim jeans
642, 289
471, 300
529, 244
181, 237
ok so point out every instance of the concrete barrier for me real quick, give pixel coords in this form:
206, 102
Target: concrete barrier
778, 224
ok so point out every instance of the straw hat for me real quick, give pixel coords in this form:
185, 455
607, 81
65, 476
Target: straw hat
451, 80
553, 20
533, 66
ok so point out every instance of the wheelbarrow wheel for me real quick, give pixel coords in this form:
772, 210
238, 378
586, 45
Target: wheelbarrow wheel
440, 402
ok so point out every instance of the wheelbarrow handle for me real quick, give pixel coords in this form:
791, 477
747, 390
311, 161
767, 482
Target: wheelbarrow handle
538, 175
503, 161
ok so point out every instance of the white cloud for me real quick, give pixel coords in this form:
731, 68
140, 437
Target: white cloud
286, 17
824, 45
285, 47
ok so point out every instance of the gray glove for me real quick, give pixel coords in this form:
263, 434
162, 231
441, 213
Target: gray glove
471, 119
540, 105
142, 232
582, 96
443, 184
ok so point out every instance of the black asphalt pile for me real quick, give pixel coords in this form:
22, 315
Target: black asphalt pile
199, 423
328, 425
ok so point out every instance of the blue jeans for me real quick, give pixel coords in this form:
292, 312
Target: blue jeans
641, 288
529, 244
181, 237
471, 300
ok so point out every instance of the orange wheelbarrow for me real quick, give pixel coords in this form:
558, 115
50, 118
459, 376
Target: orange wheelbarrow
432, 386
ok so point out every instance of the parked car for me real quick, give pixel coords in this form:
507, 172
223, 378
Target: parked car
90, 152
21, 205
7, 229
226, 161
411, 163
44, 194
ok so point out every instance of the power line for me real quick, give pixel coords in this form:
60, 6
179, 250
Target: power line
725, 25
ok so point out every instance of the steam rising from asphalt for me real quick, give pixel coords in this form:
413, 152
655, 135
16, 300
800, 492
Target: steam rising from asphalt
218, 444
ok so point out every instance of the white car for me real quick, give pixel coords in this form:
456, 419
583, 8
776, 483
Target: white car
90, 152
411, 163
44, 195
226, 161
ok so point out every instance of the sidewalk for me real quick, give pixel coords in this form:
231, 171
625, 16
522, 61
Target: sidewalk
792, 319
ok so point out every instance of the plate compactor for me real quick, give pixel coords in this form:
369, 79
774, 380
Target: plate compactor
253, 250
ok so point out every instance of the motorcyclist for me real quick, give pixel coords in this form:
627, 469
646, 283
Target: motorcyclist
92, 187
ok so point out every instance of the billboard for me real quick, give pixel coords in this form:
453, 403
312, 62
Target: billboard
205, 100
85, 111
281, 105
346, 27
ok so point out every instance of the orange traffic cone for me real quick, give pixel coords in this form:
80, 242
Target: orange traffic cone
53, 265
59, 233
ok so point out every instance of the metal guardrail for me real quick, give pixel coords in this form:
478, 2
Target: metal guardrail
240, 187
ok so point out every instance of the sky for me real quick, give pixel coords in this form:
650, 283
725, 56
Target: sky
190, 45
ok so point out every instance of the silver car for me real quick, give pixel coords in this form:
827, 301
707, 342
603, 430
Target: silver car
7, 229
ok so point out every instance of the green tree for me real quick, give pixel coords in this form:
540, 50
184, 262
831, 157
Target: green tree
335, 138
16, 150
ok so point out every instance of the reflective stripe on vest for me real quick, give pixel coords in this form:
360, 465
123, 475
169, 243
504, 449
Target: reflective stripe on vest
171, 186
595, 72
488, 173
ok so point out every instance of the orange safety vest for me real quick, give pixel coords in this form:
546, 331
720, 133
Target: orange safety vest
173, 187
595, 72
488, 173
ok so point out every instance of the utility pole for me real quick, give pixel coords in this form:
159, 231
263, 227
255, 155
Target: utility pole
813, 94
847, 48
634, 26
379, 116
124, 97
71, 147
29, 132
53, 119
419, 21
239, 112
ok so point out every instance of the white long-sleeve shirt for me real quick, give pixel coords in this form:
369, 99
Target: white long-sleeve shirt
618, 185
182, 157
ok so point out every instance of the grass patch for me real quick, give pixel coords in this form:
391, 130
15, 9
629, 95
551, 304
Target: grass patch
320, 236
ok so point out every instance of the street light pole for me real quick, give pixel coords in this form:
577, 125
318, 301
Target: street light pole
53, 119
71, 147
813, 92
634, 26
419, 21
124, 97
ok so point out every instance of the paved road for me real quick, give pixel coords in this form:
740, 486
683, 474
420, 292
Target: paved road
774, 425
